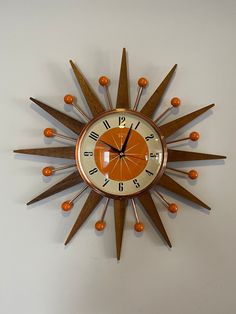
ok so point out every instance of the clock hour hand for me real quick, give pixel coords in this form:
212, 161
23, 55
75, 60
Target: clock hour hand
113, 148
123, 148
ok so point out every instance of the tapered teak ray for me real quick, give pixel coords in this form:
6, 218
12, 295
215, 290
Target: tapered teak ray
119, 212
123, 87
94, 103
181, 155
67, 152
71, 123
171, 185
154, 101
173, 126
150, 208
62, 185
89, 205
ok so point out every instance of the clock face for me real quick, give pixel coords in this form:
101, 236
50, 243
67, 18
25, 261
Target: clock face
120, 153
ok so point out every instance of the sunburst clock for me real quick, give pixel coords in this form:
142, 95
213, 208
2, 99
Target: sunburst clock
120, 153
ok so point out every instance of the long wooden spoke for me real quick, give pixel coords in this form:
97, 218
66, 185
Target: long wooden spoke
119, 212
173, 126
62, 185
181, 155
150, 208
123, 88
171, 185
154, 101
92, 201
58, 152
71, 123
94, 103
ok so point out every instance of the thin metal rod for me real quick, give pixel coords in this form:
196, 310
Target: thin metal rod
108, 97
140, 90
76, 196
65, 137
81, 112
180, 140
162, 115
177, 170
105, 209
64, 167
135, 210
162, 198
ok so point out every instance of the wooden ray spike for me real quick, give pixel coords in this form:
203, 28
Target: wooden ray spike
173, 126
94, 103
58, 152
123, 88
171, 185
92, 201
62, 185
119, 212
154, 101
181, 155
71, 123
150, 208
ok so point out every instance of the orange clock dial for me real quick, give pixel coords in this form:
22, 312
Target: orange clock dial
114, 166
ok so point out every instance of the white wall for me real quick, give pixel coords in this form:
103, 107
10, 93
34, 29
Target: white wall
38, 275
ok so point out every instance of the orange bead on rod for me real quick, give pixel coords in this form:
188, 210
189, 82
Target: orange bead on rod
193, 136
70, 100
172, 207
100, 224
67, 205
175, 102
48, 171
48, 132
104, 82
142, 83
138, 226
192, 174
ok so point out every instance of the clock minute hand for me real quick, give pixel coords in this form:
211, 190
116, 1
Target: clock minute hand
113, 148
123, 148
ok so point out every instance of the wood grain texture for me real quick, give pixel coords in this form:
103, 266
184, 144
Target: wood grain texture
92, 201
123, 87
181, 155
94, 103
150, 208
119, 213
154, 101
69, 122
173, 126
171, 185
67, 152
62, 185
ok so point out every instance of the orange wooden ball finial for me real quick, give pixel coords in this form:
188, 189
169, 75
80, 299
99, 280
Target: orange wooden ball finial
69, 99
66, 206
194, 136
175, 102
49, 132
173, 208
142, 82
48, 171
139, 227
103, 81
100, 225
193, 174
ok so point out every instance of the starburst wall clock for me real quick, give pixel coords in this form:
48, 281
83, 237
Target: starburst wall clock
120, 154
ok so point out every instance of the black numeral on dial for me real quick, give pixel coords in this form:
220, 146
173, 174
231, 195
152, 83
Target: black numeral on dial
106, 124
149, 137
135, 181
92, 171
137, 125
94, 136
106, 181
149, 172
88, 154
122, 121
154, 155
121, 186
